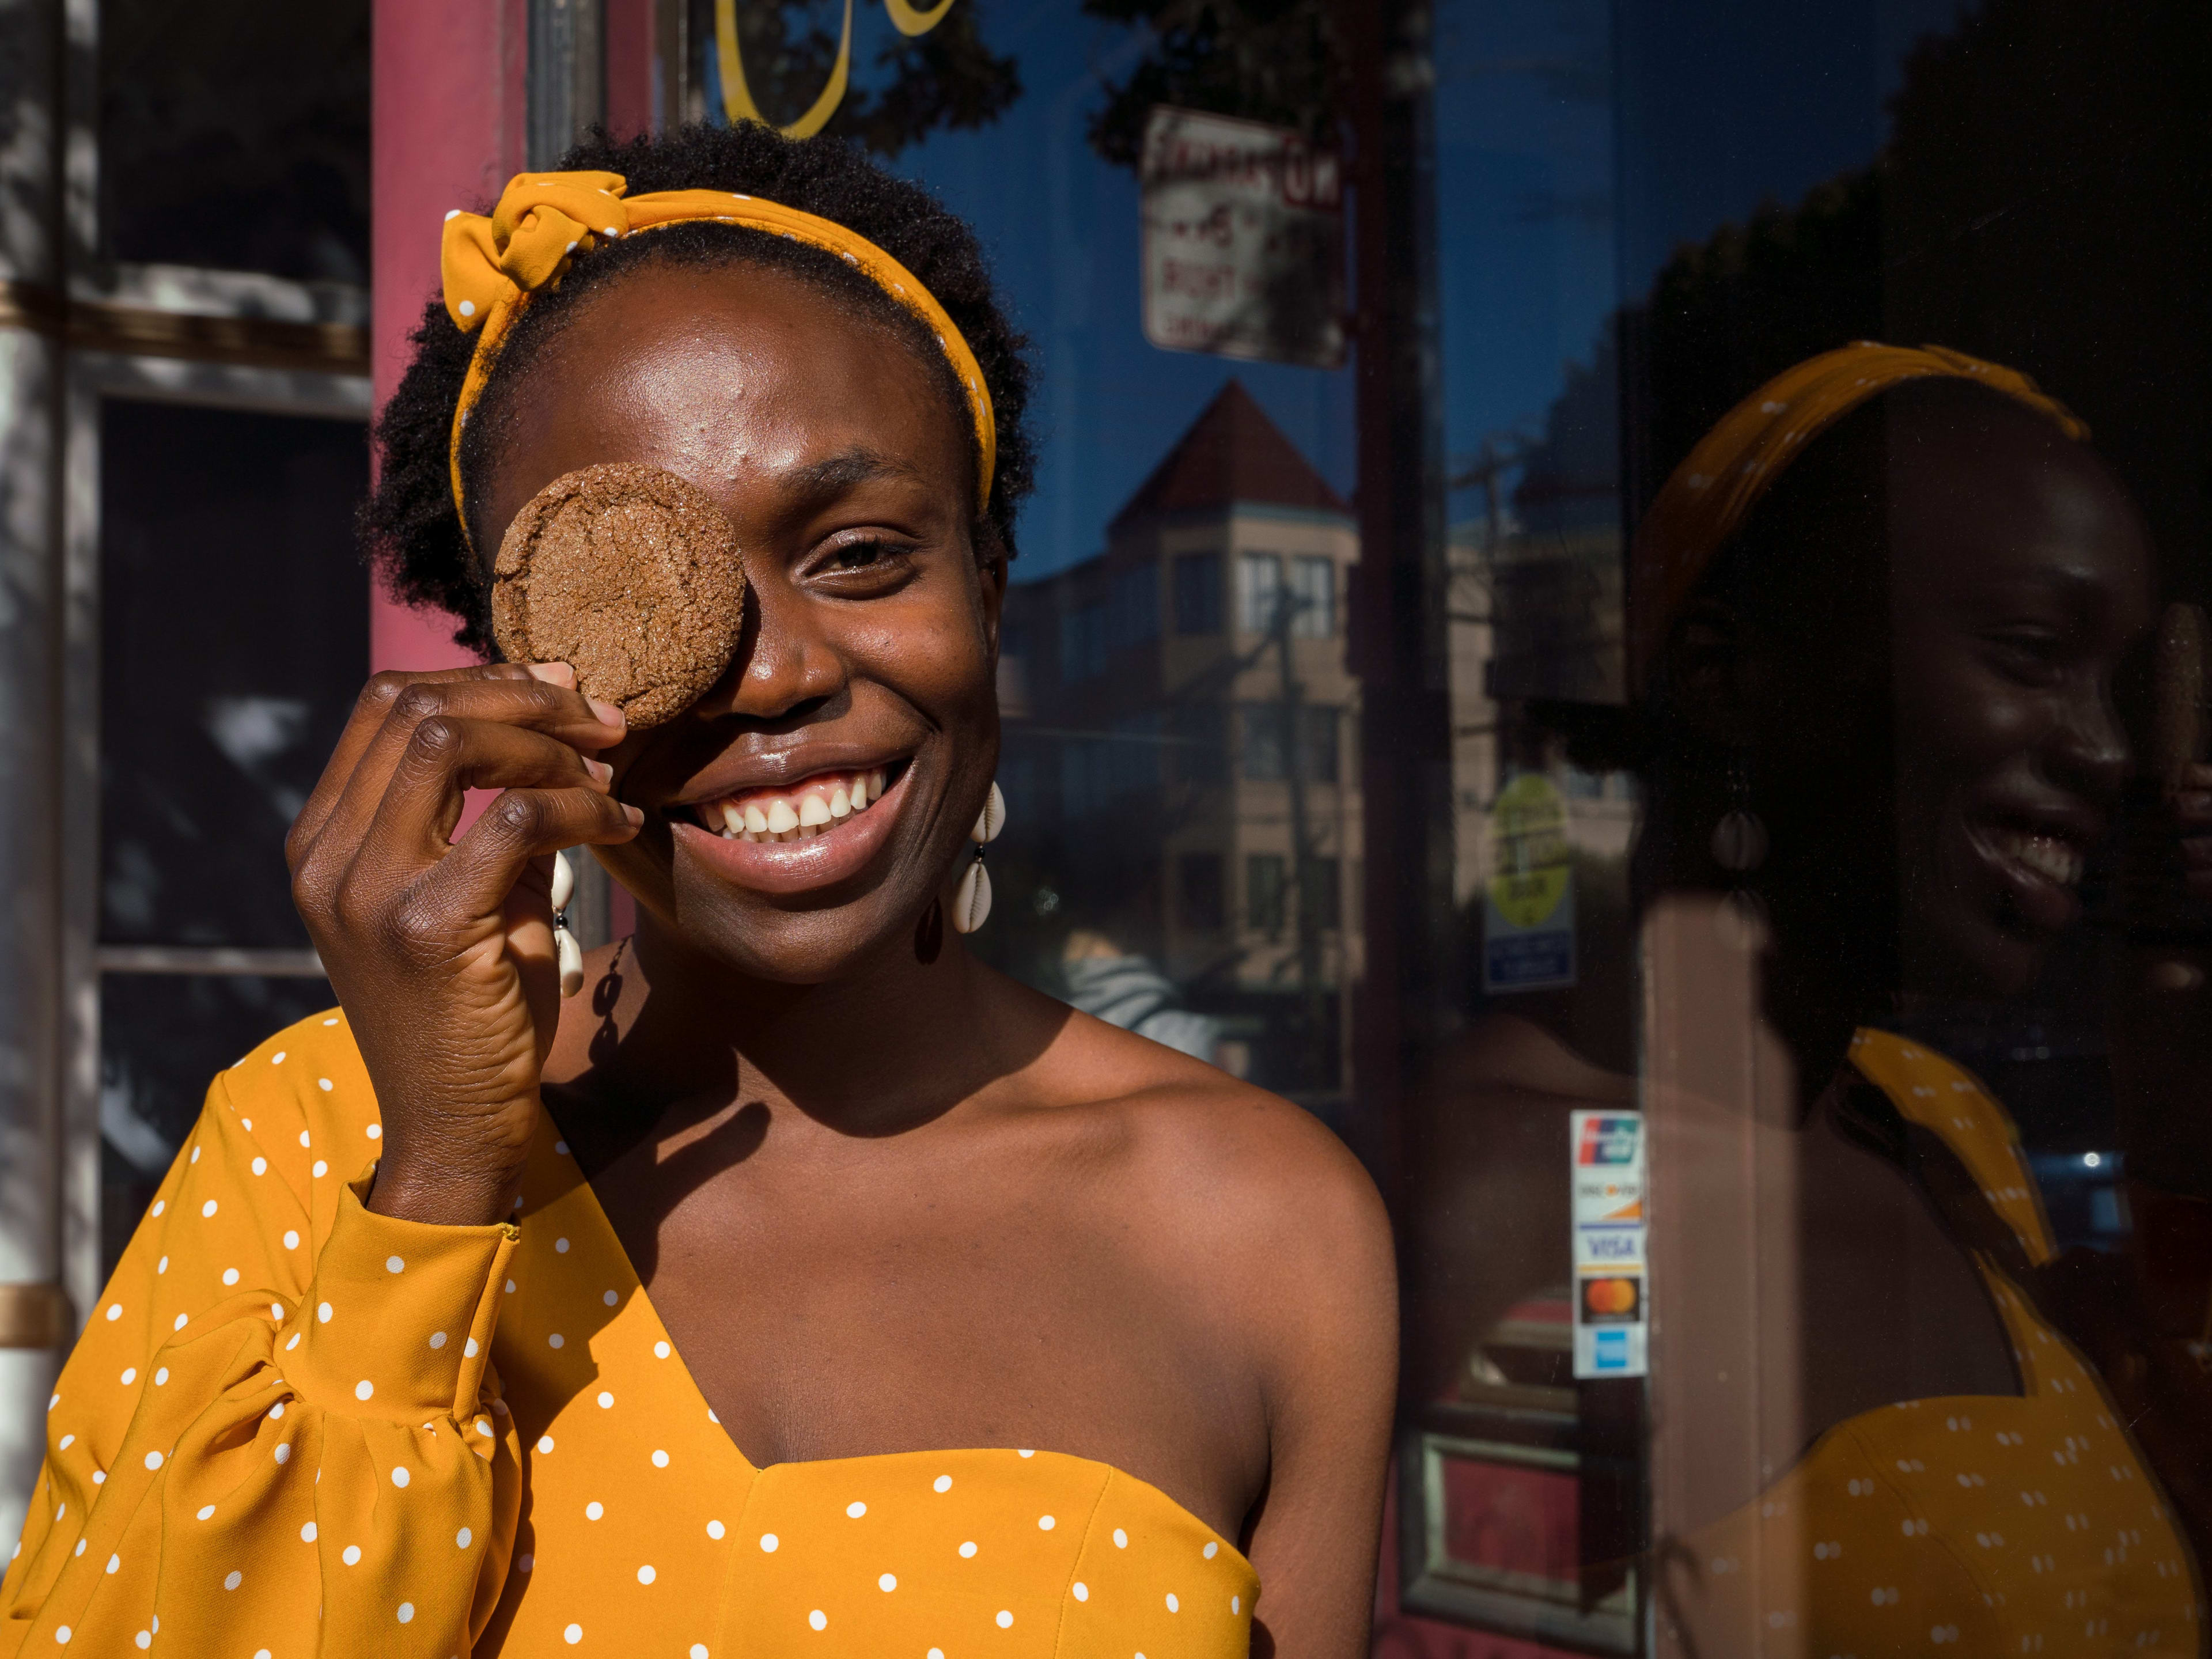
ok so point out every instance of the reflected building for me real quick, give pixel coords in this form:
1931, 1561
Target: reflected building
1179, 729
1535, 610
1555, 565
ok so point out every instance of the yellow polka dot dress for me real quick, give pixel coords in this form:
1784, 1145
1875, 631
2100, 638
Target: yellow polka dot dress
293, 1427
1977, 1524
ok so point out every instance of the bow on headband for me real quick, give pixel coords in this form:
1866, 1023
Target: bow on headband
492, 266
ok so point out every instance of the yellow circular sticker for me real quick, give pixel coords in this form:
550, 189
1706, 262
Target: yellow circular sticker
1529, 837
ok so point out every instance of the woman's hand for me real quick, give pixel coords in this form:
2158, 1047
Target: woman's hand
441, 951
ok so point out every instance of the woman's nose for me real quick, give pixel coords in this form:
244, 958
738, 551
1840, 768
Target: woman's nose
784, 659
2090, 751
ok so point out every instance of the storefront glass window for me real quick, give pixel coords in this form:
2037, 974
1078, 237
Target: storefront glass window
1769, 988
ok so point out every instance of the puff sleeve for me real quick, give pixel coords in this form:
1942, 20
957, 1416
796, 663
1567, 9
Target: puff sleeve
279, 1430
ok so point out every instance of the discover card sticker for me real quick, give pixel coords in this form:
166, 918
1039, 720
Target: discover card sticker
1611, 1274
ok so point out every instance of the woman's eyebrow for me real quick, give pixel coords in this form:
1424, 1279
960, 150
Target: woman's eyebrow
834, 475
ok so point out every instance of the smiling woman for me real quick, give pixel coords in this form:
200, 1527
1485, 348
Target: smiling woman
867, 1293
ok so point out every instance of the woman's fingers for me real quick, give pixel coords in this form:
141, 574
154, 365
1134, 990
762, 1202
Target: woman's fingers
523, 701
448, 754
523, 825
370, 711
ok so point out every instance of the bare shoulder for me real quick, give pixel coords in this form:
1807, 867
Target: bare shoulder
1507, 1058
1255, 1195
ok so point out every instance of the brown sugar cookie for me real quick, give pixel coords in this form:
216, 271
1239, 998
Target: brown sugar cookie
631, 576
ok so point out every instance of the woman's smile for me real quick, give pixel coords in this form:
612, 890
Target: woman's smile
793, 838
2034, 871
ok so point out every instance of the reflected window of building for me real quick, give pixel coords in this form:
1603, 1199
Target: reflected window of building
1322, 894
1202, 891
1313, 597
1199, 754
1082, 642
1265, 756
1197, 609
1317, 742
1132, 615
1259, 591
1267, 886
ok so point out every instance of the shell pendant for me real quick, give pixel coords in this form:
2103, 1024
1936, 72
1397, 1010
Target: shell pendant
569, 954
971, 905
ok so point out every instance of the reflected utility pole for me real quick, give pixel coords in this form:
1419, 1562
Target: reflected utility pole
1305, 868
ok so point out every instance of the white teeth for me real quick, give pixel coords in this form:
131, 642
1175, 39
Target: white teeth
781, 818
2055, 860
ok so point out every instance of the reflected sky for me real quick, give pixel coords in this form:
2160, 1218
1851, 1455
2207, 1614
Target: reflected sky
1578, 143
1062, 231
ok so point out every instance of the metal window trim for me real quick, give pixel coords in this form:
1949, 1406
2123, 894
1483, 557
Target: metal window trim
318, 394
205, 291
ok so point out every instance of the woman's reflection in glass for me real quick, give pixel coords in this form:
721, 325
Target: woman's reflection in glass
1877, 717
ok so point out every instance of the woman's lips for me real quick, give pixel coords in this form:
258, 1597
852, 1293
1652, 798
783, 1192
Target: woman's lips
2038, 873
831, 854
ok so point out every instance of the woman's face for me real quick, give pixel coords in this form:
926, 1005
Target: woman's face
870, 642
2018, 576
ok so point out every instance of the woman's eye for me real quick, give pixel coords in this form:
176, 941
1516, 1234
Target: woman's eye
2033, 657
867, 567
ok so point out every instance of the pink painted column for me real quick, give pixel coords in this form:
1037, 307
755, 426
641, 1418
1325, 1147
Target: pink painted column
448, 93
630, 52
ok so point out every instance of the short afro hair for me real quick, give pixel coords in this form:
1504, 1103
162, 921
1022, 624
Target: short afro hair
408, 528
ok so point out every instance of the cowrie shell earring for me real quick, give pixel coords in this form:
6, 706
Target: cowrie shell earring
570, 953
971, 905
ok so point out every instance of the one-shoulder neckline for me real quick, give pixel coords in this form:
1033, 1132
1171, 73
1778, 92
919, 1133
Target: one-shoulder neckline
550, 1140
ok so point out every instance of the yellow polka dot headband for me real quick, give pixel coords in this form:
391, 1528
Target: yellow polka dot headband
1710, 493
491, 266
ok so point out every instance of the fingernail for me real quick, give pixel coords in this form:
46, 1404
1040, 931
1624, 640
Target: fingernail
608, 714
635, 814
553, 673
599, 769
